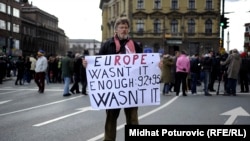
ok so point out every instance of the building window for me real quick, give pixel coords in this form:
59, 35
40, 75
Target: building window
191, 4
157, 26
140, 26
174, 4
208, 27
209, 4
8, 26
247, 29
2, 25
16, 12
157, 4
9, 10
16, 28
124, 5
140, 4
174, 26
2, 7
191, 26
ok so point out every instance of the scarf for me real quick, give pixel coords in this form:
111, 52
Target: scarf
130, 47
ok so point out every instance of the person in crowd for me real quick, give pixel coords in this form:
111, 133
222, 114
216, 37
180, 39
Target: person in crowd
119, 44
182, 70
214, 71
76, 74
84, 79
20, 70
40, 70
167, 63
245, 65
195, 69
59, 69
32, 67
172, 86
206, 67
67, 72
27, 66
3, 67
223, 71
234, 62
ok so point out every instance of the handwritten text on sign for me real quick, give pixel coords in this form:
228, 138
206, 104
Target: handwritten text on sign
123, 80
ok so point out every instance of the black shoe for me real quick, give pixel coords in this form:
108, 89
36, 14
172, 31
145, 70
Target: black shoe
184, 94
208, 94
212, 90
84, 94
72, 92
78, 92
68, 94
226, 94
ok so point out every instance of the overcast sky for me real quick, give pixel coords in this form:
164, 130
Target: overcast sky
82, 19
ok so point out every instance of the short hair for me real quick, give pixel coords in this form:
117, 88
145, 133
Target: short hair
235, 51
183, 52
121, 20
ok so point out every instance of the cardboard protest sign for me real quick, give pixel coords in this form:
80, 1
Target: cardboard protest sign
123, 80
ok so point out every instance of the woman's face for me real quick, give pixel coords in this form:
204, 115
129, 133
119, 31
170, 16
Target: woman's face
122, 31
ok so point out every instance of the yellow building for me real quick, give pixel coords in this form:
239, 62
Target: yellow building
167, 25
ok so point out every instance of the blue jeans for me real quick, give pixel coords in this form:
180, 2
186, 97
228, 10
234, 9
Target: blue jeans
67, 81
231, 86
165, 88
206, 80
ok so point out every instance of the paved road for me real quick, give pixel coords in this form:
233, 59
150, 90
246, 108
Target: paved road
26, 115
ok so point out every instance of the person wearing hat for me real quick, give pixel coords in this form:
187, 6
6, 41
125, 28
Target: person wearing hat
40, 70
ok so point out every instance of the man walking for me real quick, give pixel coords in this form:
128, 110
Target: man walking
41, 68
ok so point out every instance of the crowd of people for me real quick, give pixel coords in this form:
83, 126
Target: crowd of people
197, 70
43, 69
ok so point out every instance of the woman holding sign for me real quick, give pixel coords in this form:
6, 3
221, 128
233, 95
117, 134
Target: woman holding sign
119, 44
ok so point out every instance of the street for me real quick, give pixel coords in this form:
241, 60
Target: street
26, 115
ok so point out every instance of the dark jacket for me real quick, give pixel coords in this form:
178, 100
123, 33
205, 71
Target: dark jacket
67, 67
195, 65
109, 47
206, 64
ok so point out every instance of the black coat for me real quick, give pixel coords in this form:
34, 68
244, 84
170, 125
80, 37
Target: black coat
109, 47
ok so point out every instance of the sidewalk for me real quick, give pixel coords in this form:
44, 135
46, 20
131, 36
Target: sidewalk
7, 78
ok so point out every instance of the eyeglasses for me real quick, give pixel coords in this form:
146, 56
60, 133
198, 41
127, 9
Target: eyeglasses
123, 27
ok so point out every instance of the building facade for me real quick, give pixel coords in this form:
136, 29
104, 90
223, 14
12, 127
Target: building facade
92, 46
167, 25
10, 24
40, 31
24, 29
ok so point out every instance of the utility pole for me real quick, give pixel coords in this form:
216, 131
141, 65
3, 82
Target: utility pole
228, 41
222, 29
